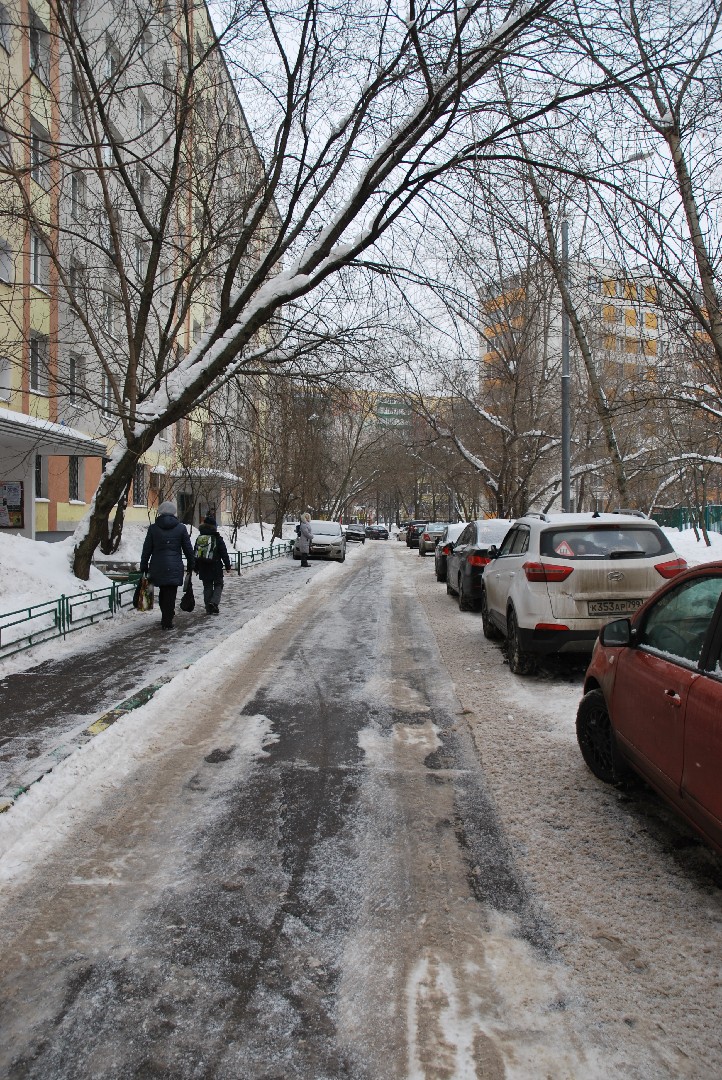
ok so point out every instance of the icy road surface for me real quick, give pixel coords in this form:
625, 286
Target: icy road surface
345, 844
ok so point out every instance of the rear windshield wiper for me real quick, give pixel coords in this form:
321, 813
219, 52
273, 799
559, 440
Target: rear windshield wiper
621, 554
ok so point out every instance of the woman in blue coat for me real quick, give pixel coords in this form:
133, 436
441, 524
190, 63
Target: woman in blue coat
161, 558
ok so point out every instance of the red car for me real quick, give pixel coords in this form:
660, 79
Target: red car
653, 698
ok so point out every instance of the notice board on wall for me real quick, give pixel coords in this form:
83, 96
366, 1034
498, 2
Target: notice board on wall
12, 505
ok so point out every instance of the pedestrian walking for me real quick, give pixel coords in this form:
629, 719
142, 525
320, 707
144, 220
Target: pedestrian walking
211, 556
305, 536
161, 558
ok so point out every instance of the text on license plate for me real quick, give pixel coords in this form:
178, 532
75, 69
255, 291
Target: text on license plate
613, 607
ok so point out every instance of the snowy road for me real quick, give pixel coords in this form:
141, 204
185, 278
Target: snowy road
291, 863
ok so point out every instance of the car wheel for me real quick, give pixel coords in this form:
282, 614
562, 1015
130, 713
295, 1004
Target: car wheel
465, 604
421, 553
440, 574
449, 589
520, 661
491, 632
597, 743
296, 556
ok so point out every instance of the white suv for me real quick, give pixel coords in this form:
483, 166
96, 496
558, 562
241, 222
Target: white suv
557, 579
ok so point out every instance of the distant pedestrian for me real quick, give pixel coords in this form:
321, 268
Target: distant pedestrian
161, 558
305, 536
211, 556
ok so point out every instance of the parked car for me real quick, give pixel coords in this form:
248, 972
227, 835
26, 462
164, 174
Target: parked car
414, 532
469, 556
430, 536
328, 542
356, 532
402, 530
377, 532
442, 549
557, 578
653, 698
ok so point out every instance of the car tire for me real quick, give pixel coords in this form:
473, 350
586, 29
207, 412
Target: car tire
465, 604
440, 575
296, 556
449, 589
597, 743
521, 662
491, 632
421, 553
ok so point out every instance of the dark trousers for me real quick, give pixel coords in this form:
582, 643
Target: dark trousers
166, 603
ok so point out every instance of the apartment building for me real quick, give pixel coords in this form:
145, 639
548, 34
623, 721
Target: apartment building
125, 164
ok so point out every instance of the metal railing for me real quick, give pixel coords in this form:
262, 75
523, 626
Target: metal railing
32, 625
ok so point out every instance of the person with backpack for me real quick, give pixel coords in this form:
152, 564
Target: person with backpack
165, 542
211, 556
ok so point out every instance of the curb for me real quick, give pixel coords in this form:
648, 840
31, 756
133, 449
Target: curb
59, 753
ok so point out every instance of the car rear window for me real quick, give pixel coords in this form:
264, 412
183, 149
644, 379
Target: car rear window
604, 542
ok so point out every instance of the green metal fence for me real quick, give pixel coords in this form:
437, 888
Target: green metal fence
32, 625
686, 517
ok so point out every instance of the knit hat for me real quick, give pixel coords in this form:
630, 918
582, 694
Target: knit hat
168, 508
209, 519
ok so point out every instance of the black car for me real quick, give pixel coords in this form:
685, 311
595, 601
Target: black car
377, 532
468, 556
444, 546
356, 532
413, 533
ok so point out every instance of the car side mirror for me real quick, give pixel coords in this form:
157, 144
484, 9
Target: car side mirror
617, 633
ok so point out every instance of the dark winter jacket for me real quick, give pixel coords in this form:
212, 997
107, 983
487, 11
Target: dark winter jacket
165, 540
214, 571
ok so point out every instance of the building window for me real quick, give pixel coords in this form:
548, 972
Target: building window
140, 259
109, 311
77, 194
39, 47
38, 477
75, 377
5, 28
140, 494
5, 375
145, 117
39, 147
7, 265
196, 330
38, 262
74, 479
76, 105
111, 62
39, 363
106, 396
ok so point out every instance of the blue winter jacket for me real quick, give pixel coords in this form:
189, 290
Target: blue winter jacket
165, 540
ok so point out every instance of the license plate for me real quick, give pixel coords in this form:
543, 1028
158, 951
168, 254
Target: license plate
613, 607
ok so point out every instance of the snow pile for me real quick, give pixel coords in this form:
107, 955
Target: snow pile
693, 550
32, 572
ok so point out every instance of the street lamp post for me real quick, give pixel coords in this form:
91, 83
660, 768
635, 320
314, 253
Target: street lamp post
566, 417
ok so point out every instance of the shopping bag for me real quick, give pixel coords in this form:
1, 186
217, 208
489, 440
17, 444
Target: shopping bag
143, 595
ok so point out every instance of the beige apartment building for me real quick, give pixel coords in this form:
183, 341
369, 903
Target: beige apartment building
119, 124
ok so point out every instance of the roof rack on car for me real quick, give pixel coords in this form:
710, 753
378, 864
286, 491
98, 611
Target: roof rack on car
632, 513
537, 514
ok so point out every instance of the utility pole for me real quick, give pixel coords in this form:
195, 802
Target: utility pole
566, 419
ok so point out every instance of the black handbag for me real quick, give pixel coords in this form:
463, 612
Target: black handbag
188, 600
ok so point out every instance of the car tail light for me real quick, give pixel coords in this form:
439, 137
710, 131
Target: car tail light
537, 571
672, 568
478, 560
426, 536
550, 626
446, 550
